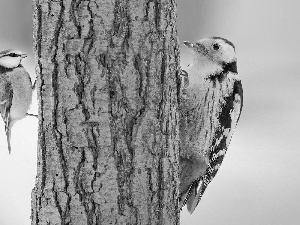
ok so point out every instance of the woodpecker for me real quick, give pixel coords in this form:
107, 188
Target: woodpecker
210, 108
15, 89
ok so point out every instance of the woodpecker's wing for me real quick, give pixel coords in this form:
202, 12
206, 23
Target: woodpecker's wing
6, 97
226, 104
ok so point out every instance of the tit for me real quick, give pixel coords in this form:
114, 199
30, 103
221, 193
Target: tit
209, 113
15, 89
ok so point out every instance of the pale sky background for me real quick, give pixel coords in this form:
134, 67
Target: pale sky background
259, 180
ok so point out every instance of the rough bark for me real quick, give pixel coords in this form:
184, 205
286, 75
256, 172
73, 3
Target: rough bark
108, 121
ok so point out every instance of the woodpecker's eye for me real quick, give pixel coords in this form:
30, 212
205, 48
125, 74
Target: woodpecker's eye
216, 46
13, 55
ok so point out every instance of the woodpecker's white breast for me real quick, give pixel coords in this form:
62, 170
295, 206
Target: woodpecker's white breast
200, 69
22, 93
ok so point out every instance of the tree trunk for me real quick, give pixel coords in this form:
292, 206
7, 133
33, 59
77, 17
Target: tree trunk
108, 121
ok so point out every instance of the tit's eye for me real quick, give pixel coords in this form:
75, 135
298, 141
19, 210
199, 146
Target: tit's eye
216, 46
13, 55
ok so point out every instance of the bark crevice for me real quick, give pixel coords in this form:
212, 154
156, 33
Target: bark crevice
108, 151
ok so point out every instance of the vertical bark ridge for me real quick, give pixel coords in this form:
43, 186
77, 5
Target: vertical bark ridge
108, 146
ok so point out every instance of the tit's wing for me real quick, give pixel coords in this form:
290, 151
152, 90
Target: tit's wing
6, 96
229, 111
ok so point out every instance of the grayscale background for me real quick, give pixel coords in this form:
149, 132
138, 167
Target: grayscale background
259, 180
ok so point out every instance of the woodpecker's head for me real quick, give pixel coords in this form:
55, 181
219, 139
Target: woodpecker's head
11, 58
215, 50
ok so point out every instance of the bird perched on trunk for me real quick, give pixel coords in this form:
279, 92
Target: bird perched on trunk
210, 108
15, 89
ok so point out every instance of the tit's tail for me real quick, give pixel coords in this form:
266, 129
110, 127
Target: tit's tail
8, 127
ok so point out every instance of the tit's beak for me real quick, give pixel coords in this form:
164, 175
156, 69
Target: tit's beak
23, 56
188, 44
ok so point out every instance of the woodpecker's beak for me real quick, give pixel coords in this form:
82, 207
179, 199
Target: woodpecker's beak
23, 56
188, 44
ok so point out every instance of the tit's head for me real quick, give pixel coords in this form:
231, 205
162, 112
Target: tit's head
215, 49
11, 58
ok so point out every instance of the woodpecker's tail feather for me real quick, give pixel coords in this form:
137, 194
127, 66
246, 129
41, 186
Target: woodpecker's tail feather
195, 197
190, 198
183, 198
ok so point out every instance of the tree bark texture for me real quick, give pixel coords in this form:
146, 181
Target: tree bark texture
108, 120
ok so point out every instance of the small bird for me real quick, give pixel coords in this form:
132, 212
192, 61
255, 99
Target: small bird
209, 111
15, 89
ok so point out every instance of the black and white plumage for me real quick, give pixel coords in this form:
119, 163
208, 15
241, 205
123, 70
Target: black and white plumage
15, 89
209, 112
